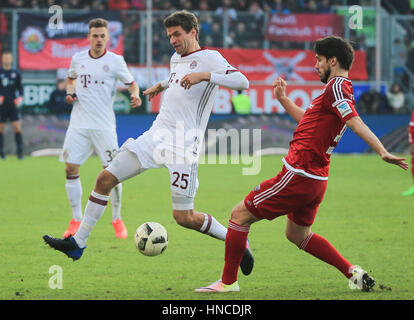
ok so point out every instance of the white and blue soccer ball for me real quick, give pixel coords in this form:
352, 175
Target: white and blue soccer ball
151, 238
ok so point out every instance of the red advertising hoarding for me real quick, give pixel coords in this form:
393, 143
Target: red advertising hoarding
303, 27
292, 65
45, 46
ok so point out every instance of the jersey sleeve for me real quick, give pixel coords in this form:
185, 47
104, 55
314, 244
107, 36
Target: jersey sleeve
220, 65
339, 99
122, 72
72, 68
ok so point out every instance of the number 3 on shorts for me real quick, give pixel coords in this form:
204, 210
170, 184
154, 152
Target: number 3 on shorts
111, 154
183, 180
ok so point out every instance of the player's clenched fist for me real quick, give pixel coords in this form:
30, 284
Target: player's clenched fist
279, 88
71, 98
135, 101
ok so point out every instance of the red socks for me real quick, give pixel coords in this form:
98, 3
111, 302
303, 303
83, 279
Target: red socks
412, 166
235, 244
320, 248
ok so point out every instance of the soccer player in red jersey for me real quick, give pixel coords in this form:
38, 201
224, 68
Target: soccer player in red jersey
410, 192
298, 189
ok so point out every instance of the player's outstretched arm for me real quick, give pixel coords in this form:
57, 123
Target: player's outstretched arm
135, 98
70, 90
154, 90
279, 90
362, 130
235, 80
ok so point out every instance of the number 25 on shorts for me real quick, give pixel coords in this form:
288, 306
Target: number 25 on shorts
180, 180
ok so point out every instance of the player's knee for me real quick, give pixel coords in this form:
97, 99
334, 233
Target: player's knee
105, 182
241, 215
71, 170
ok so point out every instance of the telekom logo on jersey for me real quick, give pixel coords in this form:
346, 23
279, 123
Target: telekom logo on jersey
87, 79
185, 146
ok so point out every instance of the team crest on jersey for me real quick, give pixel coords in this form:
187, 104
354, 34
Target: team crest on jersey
257, 188
193, 65
105, 68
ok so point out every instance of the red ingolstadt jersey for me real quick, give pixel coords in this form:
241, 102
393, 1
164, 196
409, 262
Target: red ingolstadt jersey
412, 119
320, 130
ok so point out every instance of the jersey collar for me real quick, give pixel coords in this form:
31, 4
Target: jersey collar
347, 79
187, 54
89, 52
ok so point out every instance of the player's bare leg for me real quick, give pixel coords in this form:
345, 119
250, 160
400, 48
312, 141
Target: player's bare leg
320, 248
73, 188
235, 249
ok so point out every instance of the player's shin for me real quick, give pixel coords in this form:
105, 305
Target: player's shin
235, 246
320, 248
74, 192
95, 207
116, 197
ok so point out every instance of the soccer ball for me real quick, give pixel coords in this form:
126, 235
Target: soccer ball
151, 238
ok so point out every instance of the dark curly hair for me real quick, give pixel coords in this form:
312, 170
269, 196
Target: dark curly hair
334, 46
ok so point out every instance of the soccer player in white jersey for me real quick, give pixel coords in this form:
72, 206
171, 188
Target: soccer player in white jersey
195, 74
91, 87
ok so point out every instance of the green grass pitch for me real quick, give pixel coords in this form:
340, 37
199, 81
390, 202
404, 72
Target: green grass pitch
363, 215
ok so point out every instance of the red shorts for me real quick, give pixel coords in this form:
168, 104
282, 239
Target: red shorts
411, 134
287, 193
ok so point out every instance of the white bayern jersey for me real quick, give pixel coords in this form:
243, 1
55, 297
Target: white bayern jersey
96, 80
185, 110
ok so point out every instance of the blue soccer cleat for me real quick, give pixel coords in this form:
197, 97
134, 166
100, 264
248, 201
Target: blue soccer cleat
67, 245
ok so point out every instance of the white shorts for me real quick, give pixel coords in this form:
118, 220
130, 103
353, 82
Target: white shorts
183, 179
80, 143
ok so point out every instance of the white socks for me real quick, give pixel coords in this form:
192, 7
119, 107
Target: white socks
116, 196
213, 228
94, 209
74, 191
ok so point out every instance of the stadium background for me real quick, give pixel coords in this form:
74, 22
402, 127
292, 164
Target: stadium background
363, 214
262, 39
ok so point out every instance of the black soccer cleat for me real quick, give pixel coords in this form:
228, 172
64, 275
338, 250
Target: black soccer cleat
368, 283
67, 245
247, 263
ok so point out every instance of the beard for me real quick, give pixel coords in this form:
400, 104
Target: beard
324, 77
